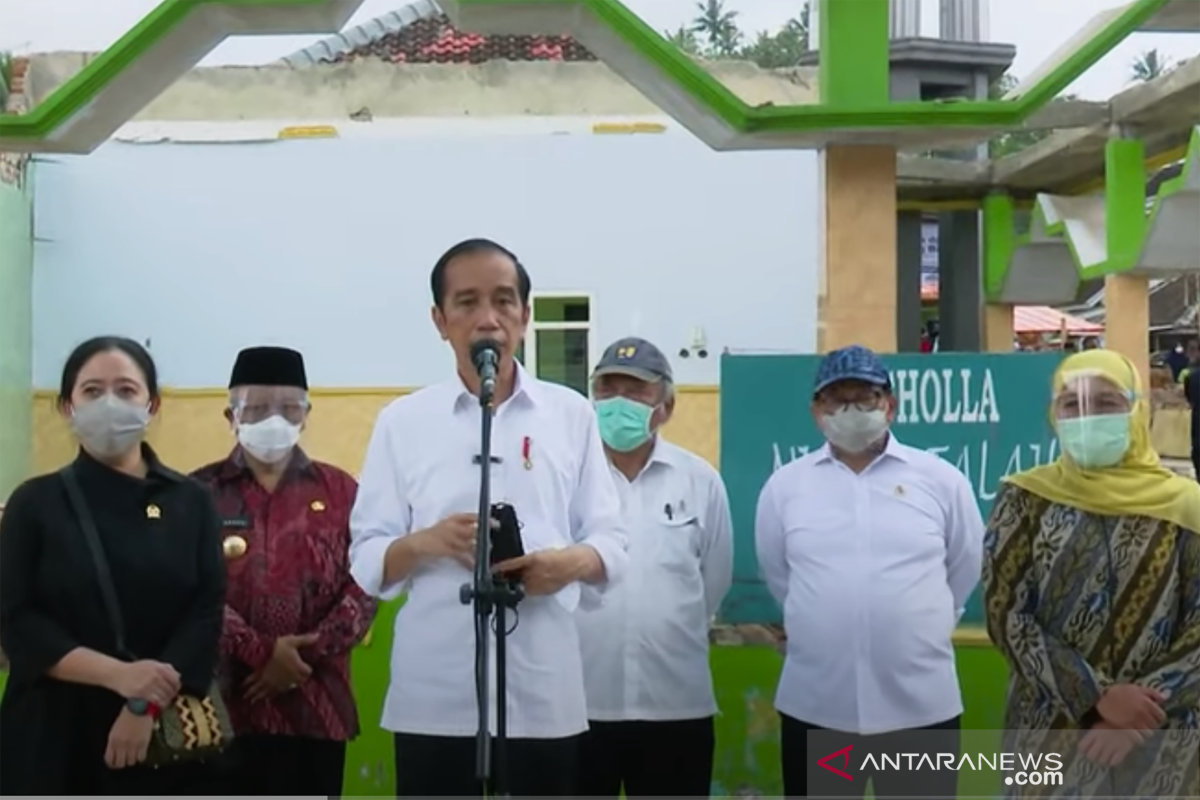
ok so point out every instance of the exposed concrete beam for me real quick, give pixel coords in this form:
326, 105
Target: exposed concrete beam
1163, 112
1180, 85
942, 170
1063, 114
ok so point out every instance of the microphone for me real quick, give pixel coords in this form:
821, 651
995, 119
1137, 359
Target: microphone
485, 355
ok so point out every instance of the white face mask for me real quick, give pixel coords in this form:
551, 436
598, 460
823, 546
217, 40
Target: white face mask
852, 430
269, 441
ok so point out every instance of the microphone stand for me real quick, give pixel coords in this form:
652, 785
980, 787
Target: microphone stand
491, 597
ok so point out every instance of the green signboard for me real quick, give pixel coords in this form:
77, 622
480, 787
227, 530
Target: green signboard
986, 414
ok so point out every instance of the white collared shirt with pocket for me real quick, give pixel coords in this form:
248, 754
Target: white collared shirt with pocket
421, 467
645, 650
872, 571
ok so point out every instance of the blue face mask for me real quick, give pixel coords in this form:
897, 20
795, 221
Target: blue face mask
624, 424
1095, 442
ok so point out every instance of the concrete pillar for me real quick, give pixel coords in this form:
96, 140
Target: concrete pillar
857, 302
1127, 320
858, 297
998, 328
960, 290
908, 282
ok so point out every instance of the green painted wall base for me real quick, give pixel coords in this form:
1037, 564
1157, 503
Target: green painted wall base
747, 734
747, 759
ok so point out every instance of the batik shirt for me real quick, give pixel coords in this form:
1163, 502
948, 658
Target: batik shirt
293, 579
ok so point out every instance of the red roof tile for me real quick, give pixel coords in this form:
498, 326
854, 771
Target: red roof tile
436, 41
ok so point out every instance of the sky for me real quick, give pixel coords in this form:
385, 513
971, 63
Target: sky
1036, 27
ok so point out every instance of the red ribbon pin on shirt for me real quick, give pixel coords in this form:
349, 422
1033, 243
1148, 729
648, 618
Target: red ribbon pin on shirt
526, 446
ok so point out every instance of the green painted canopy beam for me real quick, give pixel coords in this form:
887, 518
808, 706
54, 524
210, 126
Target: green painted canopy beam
111, 89
689, 93
174, 37
1081, 238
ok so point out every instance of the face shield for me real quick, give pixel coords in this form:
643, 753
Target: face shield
1093, 419
251, 405
268, 419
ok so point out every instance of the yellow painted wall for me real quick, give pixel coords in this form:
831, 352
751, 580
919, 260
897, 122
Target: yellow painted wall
190, 430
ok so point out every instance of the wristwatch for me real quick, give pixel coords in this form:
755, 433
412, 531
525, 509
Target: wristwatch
138, 708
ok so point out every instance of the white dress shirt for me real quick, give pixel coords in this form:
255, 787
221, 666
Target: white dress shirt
872, 571
420, 468
645, 651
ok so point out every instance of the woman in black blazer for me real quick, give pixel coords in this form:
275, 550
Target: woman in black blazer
73, 719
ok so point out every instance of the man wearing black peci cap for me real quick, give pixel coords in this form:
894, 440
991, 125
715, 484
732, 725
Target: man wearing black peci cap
414, 527
650, 697
292, 611
871, 548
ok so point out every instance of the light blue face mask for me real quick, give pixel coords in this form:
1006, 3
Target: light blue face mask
624, 423
1095, 442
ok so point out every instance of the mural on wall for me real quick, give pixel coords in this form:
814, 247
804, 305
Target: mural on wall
983, 413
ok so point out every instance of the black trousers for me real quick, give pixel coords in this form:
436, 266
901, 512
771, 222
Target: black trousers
441, 766
183, 780
261, 765
647, 759
803, 777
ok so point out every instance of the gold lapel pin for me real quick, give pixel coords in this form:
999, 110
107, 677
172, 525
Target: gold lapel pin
234, 547
153, 512
317, 505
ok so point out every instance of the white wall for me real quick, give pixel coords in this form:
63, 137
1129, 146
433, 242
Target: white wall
326, 245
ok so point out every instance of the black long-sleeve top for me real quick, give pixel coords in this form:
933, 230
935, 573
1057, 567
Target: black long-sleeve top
161, 535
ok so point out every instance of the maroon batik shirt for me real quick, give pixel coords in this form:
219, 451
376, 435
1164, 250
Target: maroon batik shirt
293, 579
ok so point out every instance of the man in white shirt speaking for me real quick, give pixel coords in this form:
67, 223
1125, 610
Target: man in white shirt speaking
871, 548
413, 529
645, 651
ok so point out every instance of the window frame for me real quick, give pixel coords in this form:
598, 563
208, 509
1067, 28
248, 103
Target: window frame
529, 356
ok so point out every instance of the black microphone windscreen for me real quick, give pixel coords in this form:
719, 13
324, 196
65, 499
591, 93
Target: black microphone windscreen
478, 348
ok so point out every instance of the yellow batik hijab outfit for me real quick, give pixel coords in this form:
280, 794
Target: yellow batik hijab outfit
1139, 485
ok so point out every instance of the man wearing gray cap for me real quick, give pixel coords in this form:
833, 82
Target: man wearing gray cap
645, 651
871, 548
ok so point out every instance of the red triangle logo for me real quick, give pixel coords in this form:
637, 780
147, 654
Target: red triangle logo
845, 756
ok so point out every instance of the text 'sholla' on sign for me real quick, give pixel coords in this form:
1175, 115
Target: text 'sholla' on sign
987, 414
962, 396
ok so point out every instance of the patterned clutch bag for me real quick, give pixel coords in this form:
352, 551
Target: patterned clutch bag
190, 729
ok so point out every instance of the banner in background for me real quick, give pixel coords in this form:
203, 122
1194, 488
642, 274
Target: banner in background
985, 413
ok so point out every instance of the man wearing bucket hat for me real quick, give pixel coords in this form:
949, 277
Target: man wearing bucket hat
871, 548
645, 651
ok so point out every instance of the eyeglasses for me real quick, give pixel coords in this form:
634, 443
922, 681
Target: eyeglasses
861, 402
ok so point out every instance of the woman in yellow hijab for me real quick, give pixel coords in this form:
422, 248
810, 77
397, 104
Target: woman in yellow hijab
1092, 593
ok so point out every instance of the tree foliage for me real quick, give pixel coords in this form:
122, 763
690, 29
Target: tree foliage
6, 77
1149, 66
715, 33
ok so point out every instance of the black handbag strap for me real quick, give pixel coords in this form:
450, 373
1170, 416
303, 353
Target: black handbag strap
103, 575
